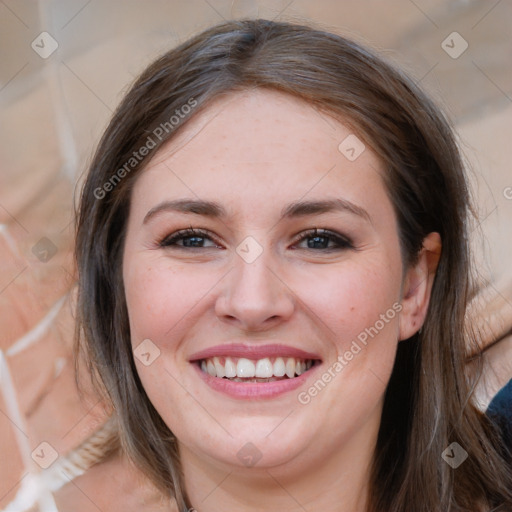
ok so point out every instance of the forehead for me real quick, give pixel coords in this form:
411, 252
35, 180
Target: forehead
260, 147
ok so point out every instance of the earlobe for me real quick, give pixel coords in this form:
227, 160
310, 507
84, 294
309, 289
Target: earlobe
417, 286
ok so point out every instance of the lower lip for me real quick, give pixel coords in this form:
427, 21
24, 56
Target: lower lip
248, 390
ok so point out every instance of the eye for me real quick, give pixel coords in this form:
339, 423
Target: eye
190, 237
316, 239
320, 239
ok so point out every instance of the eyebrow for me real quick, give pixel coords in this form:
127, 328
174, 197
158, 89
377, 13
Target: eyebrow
215, 210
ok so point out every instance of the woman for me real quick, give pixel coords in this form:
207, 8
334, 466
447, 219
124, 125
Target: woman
274, 272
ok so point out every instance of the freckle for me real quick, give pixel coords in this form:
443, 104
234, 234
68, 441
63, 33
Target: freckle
352, 308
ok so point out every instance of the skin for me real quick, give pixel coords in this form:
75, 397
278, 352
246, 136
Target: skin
490, 315
255, 152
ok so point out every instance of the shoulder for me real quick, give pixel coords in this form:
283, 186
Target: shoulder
113, 485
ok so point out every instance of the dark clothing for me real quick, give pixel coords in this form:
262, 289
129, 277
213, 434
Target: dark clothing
500, 411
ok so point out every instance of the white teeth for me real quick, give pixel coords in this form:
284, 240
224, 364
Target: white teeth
245, 368
210, 368
230, 368
218, 367
264, 368
279, 368
290, 367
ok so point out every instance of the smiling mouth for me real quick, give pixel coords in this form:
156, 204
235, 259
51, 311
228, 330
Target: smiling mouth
268, 369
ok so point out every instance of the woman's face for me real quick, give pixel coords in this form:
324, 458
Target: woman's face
257, 290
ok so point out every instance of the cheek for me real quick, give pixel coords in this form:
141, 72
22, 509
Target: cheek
358, 308
160, 297
352, 297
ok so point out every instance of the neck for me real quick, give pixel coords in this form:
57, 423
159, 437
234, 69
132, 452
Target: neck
338, 480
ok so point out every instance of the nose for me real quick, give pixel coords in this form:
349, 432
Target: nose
255, 296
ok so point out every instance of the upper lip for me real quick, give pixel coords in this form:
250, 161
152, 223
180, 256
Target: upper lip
252, 352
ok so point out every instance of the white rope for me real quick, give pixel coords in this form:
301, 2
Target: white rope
65, 469
38, 331
32, 483
9, 240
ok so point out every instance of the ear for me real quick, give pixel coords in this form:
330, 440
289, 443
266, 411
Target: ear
417, 286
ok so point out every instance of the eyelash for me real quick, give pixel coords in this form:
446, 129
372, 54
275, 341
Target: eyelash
342, 242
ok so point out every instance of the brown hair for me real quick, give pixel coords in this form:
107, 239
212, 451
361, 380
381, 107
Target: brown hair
428, 402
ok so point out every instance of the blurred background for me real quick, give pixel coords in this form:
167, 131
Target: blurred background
64, 67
